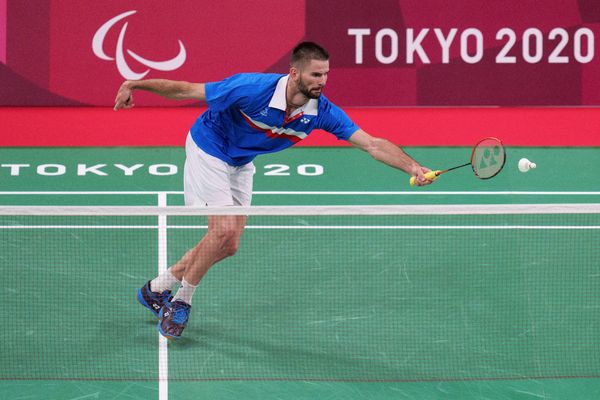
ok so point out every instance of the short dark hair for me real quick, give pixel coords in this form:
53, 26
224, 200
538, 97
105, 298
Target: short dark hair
307, 51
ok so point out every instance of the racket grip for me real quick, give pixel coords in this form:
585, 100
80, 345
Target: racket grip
432, 175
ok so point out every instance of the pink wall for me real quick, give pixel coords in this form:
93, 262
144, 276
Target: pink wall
3, 31
388, 53
167, 126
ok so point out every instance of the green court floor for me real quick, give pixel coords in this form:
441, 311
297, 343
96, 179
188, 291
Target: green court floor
431, 313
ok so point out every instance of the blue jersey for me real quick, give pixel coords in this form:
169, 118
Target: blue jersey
246, 116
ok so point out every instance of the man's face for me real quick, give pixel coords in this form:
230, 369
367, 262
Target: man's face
312, 77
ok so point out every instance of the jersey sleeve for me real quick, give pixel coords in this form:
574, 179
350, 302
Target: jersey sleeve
223, 94
337, 122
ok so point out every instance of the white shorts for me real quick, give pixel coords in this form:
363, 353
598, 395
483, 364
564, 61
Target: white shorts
209, 181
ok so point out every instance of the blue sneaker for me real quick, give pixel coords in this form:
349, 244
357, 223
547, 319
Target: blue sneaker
173, 319
151, 300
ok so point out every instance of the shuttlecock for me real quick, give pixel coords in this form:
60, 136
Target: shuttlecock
525, 165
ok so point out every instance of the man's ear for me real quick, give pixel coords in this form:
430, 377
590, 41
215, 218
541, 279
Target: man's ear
294, 73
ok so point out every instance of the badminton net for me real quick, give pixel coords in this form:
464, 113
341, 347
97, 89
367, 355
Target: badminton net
391, 293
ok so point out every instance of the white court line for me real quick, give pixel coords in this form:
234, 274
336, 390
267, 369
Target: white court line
79, 192
415, 192
164, 227
424, 193
163, 356
79, 227
412, 209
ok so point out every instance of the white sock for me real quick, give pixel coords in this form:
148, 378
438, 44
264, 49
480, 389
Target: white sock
165, 281
185, 292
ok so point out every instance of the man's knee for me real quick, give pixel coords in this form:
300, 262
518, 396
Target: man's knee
227, 236
228, 240
231, 248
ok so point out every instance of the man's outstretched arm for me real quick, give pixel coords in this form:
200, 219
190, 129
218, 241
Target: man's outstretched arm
388, 153
177, 90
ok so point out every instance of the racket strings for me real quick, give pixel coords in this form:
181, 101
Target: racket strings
488, 158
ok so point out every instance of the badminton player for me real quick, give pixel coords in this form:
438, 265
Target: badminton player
248, 114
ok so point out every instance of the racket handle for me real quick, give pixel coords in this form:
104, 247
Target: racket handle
432, 175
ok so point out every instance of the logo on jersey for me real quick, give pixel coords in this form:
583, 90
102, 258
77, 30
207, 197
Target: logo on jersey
119, 57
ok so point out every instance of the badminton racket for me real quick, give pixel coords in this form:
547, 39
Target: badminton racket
487, 160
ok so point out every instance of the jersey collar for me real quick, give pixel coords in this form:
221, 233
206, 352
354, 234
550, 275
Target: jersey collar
278, 100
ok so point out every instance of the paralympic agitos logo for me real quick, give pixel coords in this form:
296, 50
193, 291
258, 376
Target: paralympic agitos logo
119, 55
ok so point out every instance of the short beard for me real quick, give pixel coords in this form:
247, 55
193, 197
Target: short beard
304, 90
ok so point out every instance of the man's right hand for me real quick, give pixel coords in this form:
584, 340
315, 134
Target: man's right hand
124, 99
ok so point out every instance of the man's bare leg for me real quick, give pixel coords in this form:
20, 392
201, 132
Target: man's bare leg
222, 240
